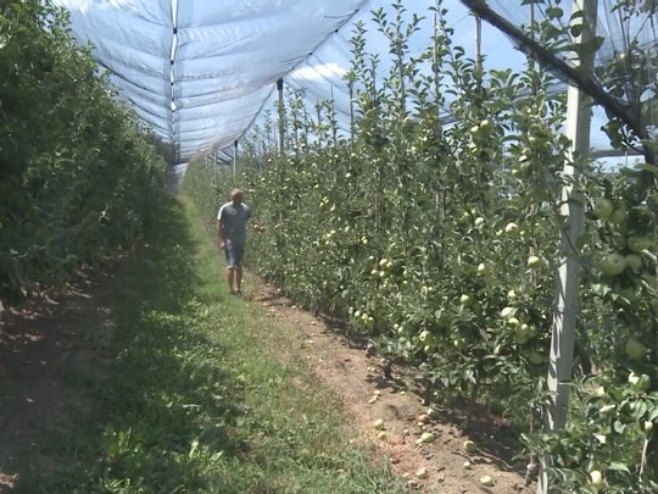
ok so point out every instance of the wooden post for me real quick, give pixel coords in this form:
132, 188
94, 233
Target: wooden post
281, 109
566, 308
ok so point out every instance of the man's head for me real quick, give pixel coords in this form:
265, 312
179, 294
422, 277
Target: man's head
236, 196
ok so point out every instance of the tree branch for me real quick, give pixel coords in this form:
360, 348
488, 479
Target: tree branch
583, 80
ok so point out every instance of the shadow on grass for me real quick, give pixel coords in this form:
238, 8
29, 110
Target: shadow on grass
163, 405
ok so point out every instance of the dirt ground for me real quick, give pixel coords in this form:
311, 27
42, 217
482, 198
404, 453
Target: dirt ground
440, 466
47, 334
39, 341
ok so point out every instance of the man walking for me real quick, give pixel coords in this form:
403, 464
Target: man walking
232, 233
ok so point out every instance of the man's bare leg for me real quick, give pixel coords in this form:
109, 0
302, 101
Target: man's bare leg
229, 278
238, 278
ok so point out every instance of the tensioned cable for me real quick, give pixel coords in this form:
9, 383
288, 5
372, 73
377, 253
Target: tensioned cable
172, 77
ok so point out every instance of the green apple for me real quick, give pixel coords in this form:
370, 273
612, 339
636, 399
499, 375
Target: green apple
425, 438
536, 358
479, 221
596, 479
482, 268
635, 349
603, 208
522, 334
613, 264
618, 215
511, 227
459, 343
637, 243
533, 261
634, 262
487, 480
464, 299
426, 338
507, 312
531, 331
470, 447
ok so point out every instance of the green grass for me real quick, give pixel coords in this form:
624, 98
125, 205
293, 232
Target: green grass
195, 396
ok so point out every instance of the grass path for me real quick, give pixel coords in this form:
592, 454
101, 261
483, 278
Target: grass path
188, 391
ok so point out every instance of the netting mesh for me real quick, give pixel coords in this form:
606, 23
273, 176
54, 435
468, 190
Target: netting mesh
198, 72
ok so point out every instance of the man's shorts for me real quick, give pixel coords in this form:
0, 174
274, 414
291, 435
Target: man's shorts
234, 255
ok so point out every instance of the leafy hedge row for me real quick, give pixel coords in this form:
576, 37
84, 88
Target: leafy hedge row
77, 179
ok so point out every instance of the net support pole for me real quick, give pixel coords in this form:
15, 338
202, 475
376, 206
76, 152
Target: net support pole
235, 159
566, 307
334, 129
350, 88
281, 111
318, 109
478, 45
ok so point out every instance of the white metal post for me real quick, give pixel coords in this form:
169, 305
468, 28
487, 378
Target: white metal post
566, 299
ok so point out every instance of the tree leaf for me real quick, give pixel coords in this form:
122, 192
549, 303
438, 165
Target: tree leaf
619, 467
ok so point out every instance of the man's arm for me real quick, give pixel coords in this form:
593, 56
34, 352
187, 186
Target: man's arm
220, 235
220, 230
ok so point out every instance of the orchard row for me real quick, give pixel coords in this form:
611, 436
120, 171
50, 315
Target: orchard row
77, 179
440, 242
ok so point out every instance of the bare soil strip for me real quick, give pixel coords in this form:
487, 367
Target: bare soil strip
436, 467
40, 342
